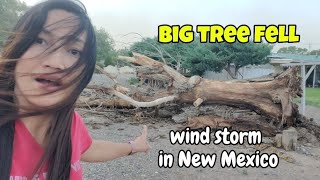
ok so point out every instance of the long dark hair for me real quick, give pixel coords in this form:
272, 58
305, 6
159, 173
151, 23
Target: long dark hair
24, 34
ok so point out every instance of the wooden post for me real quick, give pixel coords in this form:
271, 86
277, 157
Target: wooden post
303, 81
310, 71
303, 87
314, 76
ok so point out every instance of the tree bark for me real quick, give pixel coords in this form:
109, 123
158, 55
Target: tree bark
228, 69
272, 98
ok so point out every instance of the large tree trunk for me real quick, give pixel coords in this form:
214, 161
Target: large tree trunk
271, 97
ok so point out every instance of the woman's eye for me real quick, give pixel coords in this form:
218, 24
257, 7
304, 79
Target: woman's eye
75, 52
40, 41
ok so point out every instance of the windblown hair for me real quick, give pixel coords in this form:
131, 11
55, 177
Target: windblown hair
24, 34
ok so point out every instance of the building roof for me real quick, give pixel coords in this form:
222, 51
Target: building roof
295, 57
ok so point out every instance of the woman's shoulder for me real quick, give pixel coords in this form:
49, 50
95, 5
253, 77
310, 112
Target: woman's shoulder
76, 116
77, 119
80, 133
78, 124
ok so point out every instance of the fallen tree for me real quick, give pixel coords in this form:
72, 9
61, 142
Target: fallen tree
269, 97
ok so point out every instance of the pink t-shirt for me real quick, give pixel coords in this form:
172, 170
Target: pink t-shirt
27, 151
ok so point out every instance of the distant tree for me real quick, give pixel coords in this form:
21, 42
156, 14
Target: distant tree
149, 47
171, 54
10, 11
292, 50
314, 52
124, 52
218, 56
199, 57
106, 54
241, 54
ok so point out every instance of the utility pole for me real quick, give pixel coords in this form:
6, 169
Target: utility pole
309, 46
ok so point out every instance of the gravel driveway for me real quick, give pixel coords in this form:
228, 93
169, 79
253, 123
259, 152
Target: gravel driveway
305, 163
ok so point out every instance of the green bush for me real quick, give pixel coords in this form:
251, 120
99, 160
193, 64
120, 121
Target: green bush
133, 81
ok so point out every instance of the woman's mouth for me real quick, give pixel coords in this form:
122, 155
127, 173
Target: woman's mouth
48, 84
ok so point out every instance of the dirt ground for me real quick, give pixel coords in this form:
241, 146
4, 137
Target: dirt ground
304, 163
313, 112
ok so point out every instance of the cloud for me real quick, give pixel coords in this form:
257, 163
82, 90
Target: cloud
143, 16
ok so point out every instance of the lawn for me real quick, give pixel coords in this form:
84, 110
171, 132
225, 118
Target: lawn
313, 96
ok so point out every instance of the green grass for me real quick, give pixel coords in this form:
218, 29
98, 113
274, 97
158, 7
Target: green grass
312, 97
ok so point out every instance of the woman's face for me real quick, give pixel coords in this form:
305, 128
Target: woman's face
31, 85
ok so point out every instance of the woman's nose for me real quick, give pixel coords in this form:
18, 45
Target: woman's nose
55, 60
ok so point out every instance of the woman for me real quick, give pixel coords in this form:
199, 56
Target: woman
46, 62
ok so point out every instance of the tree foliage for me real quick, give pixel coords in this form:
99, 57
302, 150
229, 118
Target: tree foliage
292, 50
10, 11
199, 57
297, 50
106, 54
314, 52
241, 54
172, 54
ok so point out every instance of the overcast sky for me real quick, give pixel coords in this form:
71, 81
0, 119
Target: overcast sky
120, 17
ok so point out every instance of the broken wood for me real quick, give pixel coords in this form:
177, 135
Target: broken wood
272, 98
269, 97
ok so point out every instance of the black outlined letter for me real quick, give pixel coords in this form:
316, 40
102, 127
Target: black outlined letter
165, 159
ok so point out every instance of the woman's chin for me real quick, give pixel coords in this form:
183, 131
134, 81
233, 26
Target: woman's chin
40, 100
44, 102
